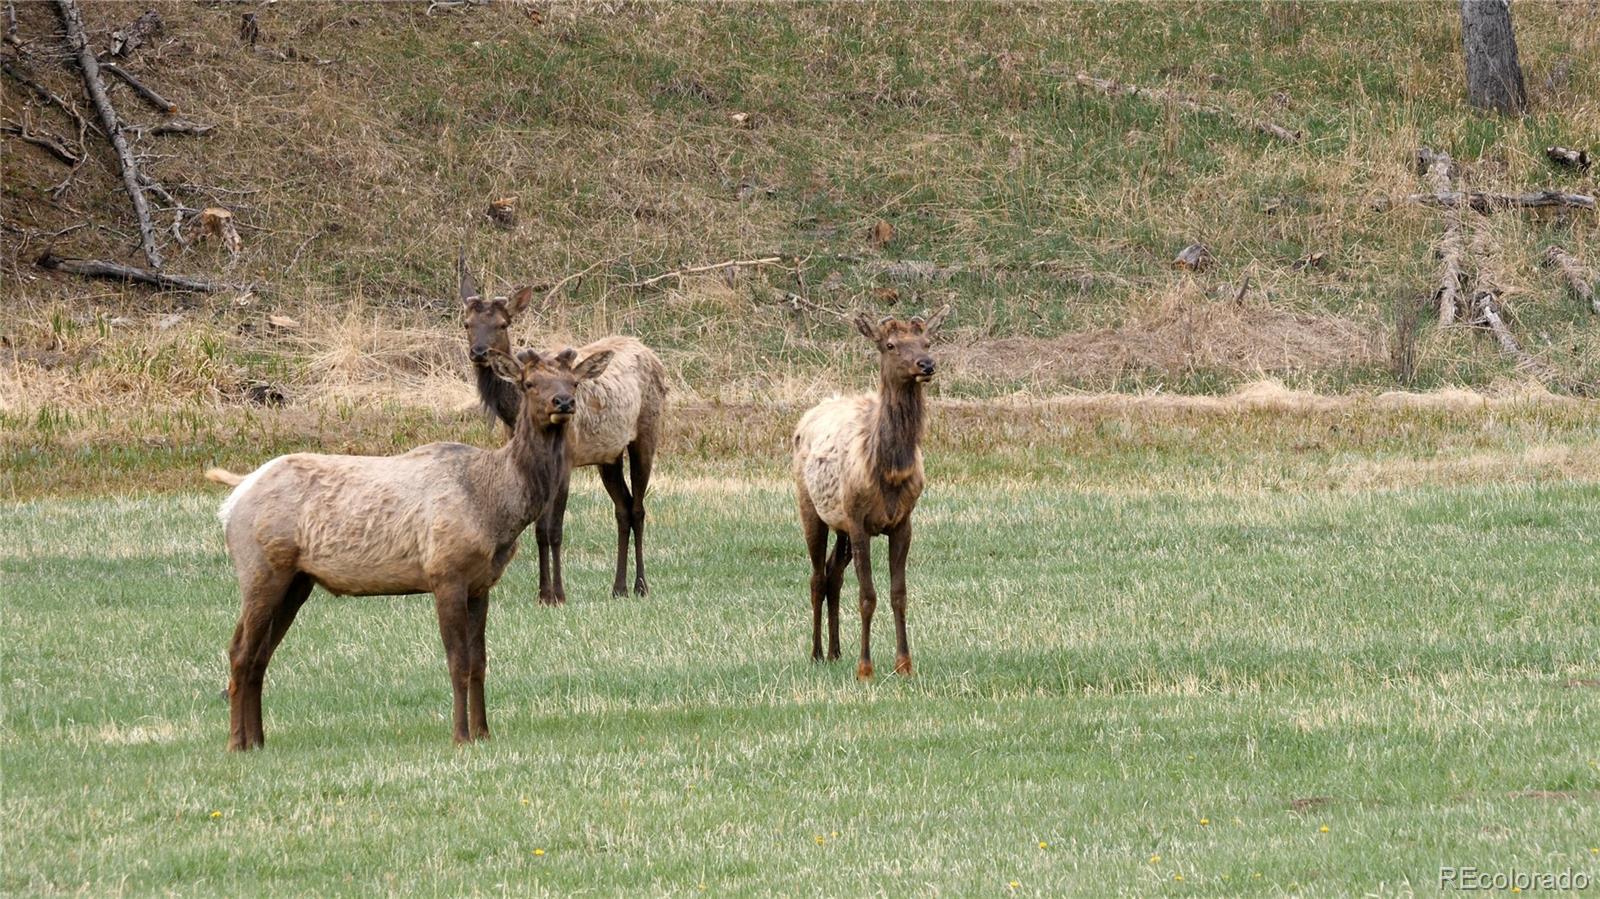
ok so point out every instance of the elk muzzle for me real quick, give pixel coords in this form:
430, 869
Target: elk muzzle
562, 408
925, 369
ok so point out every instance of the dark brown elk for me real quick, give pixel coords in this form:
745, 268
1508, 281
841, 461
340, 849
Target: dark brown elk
618, 418
858, 472
441, 519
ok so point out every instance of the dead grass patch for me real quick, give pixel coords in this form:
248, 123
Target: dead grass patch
1181, 332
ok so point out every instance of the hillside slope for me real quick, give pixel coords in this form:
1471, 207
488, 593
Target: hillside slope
359, 145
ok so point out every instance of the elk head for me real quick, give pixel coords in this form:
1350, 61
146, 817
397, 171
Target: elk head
488, 320
903, 345
549, 383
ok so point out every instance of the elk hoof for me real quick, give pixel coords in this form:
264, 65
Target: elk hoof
550, 599
863, 670
640, 588
902, 666
619, 591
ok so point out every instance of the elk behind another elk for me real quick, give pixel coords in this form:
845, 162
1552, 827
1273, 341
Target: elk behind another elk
441, 519
858, 471
618, 417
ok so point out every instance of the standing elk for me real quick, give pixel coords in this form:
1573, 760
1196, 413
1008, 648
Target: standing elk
619, 415
441, 519
858, 471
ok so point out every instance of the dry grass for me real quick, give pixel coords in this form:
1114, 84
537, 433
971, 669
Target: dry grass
356, 180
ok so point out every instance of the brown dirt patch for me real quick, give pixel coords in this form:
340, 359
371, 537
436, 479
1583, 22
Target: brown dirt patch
1180, 335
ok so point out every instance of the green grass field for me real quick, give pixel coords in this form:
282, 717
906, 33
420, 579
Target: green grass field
1144, 671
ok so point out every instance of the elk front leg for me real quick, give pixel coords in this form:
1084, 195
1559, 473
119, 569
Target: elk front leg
816, 534
860, 545
558, 519
899, 547
477, 666
837, 563
450, 601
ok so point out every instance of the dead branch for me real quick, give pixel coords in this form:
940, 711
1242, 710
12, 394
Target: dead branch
126, 40
551, 293
798, 303
79, 42
1485, 202
1580, 282
98, 268
162, 104
1487, 305
1161, 95
1441, 171
11, 24
1568, 157
701, 269
176, 126
43, 141
45, 94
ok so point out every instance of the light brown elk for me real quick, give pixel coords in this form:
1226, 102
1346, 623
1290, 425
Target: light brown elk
441, 519
858, 472
618, 417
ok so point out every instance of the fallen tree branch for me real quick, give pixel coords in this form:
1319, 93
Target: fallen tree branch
79, 42
1161, 95
162, 104
177, 126
43, 141
1441, 171
46, 94
798, 303
1580, 282
97, 268
1487, 304
1483, 201
701, 269
551, 293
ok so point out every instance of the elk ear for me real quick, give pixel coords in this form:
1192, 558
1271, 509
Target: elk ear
519, 301
866, 327
934, 321
505, 367
469, 285
527, 357
593, 366
566, 357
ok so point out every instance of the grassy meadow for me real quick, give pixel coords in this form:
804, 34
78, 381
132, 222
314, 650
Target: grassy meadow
1220, 653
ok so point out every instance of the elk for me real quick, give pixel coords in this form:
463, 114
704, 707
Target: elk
443, 519
858, 472
618, 416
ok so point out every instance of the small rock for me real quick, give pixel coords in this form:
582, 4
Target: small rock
1195, 257
1310, 261
168, 322
264, 394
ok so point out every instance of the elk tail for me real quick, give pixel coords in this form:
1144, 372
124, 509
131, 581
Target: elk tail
224, 476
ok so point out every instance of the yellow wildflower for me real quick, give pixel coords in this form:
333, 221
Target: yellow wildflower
1205, 822
538, 852
1043, 845
1323, 828
216, 814
1154, 859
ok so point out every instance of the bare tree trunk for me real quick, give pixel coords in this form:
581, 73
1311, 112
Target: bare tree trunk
1494, 75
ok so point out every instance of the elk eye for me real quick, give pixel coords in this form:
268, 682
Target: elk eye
889, 345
